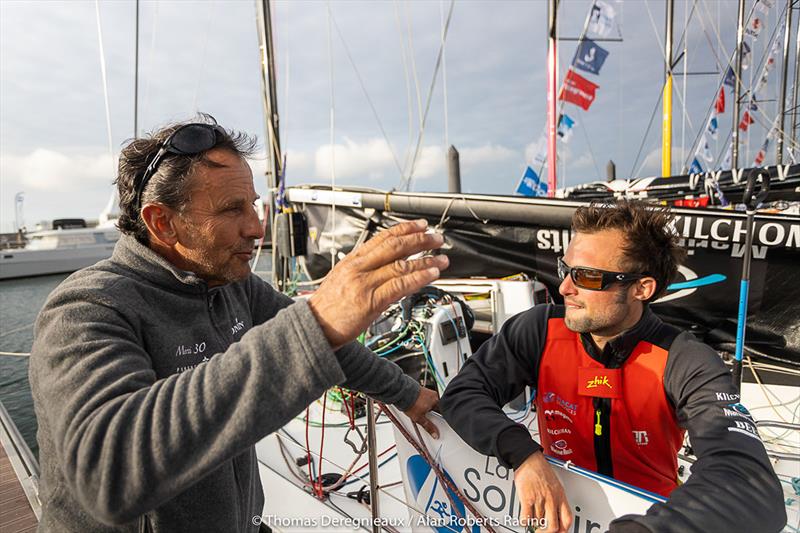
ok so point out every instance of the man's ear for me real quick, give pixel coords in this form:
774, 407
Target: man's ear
644, 288
160, 222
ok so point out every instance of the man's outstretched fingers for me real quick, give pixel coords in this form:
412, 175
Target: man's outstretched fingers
395, 288
565, 516
400, 247
404, 228
403, 267
551, 515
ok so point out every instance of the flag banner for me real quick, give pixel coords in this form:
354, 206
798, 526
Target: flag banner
762, 153
531, 185
713, 127
704, 150
745, 55
565, 125
762, 82
730, 78
601, 19
589, 56
726, 163
578, 90
746, 121
539, 154
719, 105
696, 168
754, 28
765, 5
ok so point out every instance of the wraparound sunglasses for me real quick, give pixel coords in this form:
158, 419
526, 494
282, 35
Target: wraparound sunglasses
189, 139
593, 279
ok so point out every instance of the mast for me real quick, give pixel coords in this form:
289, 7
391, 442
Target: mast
552, 74
737, 87
136, 78
784, 68
270, 101
795, 88
666, 122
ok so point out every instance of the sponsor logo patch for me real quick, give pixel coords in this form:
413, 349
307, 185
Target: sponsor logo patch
552, 414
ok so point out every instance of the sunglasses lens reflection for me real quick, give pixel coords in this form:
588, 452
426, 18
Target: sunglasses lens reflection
588, 279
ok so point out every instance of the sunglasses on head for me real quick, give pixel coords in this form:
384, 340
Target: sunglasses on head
593, 279
189, 139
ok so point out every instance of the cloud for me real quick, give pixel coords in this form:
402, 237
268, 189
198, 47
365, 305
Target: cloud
372, 161
353, 160
54, 171
652, 163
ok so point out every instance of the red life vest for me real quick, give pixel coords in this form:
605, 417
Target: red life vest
644, 433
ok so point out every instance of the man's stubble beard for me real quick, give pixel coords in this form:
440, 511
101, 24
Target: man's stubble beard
599, 325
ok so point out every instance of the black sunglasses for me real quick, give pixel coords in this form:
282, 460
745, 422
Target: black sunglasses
593, 279
189, 139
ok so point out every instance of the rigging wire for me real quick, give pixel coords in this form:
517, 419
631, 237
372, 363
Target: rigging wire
150, 65
644, 138
720, 85
332, 138
589, 145
105, 86
408, 87
204, 53
772, 123
412, 54
367, 96
444, 75
664, 58
406, 184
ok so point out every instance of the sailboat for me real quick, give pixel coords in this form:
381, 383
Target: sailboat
346, 463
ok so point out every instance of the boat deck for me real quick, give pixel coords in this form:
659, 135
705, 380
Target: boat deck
16, 514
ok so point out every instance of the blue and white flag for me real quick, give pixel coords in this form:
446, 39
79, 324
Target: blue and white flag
695, 168
601, 19
704, 150
713, 127
565, 125
730, 78
745, 55
531, 185
590, 56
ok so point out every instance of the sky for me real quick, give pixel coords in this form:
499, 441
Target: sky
336, 61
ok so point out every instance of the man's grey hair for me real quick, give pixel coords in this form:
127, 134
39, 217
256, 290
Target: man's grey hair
170, 185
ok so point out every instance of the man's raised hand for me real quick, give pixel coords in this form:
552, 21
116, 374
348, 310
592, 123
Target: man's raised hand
373, 276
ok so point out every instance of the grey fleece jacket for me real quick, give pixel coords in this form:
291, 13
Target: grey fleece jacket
151, 389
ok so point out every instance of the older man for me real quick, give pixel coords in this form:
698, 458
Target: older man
155, 372
616, 388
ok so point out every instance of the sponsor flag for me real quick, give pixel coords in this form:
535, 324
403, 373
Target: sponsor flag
713, 127
531, 185
746, 121
730, 78
726, 163
765, 5
719, 105
589, 56
704, 150
745, 55
759, 158
578, 90
539, 153
565, 125
754, 28
695, 168
601, 19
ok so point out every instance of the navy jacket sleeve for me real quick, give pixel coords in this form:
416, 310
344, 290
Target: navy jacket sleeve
732, 486
496, 374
